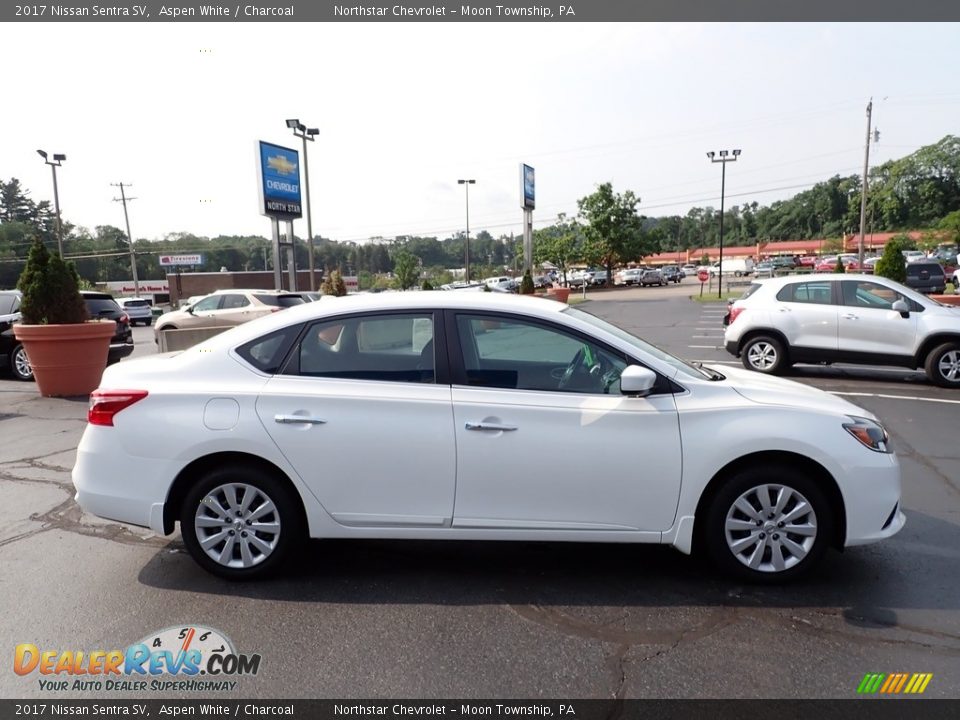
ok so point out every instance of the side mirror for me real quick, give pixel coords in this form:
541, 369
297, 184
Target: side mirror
901, 307
637, 381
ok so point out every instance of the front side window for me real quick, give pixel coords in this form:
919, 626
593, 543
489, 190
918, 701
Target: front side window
520, 355
867, 294
818, 292
392, 348
207, 304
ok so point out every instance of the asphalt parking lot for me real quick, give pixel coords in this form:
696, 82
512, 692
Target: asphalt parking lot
472, 620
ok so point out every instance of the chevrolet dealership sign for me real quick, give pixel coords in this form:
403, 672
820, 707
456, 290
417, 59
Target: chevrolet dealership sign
279, 181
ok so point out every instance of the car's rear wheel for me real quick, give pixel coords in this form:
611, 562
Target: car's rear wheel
240, 523
20, 364
768, 524
943, 365
764, 354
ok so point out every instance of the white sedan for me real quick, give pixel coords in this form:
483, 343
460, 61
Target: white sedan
382, 416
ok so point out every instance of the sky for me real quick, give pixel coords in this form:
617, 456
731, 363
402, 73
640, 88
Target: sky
405, 110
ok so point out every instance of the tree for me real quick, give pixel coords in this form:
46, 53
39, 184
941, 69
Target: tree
893, 264
405, 268
558, 244
614, 231
951, 224
333, 284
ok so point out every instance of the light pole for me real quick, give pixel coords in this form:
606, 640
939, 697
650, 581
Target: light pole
466, 252
725, 157
54, 164
301, 131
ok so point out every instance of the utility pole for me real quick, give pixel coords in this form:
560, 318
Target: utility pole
863, 190
133, 258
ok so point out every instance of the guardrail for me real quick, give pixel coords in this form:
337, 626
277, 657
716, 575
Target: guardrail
171, 340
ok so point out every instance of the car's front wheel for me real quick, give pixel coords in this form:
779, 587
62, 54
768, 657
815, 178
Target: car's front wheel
943, 365
20, 364
764, 354
768, 524
240, 523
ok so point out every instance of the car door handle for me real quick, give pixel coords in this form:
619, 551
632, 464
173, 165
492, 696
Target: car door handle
297, 420
783, 309
490, 426
849, 316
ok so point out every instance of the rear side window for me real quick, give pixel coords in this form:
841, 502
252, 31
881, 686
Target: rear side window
280, 300
813, 293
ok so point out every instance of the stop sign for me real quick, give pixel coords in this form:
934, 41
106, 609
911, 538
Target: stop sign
703, 276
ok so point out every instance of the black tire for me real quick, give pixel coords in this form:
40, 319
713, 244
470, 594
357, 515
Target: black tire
943, 365
287, 515
19, 364
731, 550
764, 354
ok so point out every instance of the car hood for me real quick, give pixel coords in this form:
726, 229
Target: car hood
767, 390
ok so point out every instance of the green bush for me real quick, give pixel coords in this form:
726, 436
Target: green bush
840, 266
892, 264
50, 288
333, 284
426, 285
526, 284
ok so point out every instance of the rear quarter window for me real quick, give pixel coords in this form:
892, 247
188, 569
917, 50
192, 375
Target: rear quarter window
266, 353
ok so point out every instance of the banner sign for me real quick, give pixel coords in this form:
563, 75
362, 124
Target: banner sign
279, 181
167, 260
527, 187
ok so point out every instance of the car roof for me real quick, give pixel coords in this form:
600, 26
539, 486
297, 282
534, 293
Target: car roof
390, 302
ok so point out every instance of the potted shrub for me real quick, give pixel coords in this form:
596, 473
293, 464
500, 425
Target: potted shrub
67, 352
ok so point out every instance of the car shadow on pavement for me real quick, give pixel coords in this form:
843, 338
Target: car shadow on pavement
914, 570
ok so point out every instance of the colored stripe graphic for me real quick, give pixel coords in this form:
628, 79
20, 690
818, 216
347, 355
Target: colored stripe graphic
894, 683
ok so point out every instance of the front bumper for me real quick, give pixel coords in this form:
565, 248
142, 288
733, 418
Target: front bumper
871, 493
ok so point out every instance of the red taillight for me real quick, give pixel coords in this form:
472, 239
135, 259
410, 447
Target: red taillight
124, 318
734, 312
104, 404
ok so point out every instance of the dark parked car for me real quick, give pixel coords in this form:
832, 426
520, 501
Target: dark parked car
102, 305
12, 355
926, 277
651, 277
672, 273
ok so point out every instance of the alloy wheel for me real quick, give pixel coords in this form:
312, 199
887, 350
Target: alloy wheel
771, 528
762, 355
949, 366
237, 525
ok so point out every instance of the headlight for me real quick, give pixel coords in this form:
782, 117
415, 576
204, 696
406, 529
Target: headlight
869, 433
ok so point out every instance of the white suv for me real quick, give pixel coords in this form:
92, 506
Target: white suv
861, 319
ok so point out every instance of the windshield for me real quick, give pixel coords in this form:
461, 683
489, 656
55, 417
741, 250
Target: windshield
674, 362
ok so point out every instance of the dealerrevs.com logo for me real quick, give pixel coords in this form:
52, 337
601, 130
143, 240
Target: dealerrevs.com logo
191, 658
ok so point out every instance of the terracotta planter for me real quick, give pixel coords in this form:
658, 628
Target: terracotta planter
67, 360
561, 294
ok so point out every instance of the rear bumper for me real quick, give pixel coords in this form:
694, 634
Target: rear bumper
119, 350
731, 347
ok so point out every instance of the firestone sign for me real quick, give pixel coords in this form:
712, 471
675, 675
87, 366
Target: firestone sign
279, 181
168, 260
